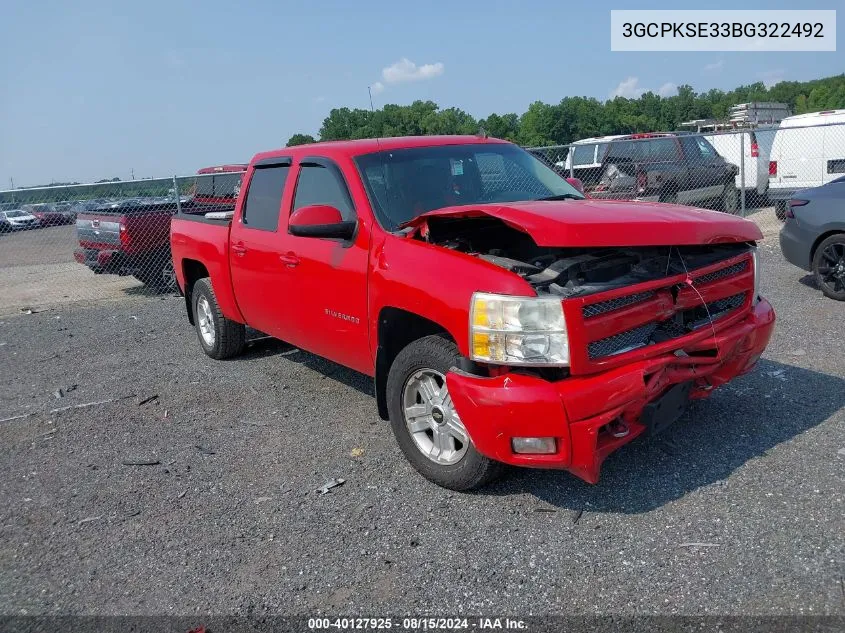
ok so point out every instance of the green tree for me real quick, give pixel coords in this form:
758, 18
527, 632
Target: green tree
300, 139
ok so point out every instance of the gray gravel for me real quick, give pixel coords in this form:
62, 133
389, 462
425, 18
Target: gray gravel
226, 519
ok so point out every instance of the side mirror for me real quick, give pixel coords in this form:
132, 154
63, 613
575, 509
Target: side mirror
320, 220
576, 182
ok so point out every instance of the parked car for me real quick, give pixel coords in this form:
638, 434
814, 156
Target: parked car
504, 317
130, 236
813, 235
17, 219
676, 168
808, 151
47, 214
751, 147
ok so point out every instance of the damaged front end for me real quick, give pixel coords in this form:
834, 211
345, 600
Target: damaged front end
643, 323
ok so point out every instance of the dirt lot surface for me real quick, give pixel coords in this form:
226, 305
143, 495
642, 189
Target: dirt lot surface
737, 509
37, 269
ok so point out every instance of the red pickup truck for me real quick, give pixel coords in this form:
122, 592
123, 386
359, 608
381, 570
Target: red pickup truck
131, 236
505, 318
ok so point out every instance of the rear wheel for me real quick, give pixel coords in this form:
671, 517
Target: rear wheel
219, 337
730, 199
829, 266
157, 272
424, 420
669, 196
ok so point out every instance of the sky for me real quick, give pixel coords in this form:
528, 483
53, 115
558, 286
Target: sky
94, 89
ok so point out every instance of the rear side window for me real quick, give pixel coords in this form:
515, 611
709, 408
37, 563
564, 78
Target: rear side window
264, 198
621, 150
320, 185
658, 149
584, 155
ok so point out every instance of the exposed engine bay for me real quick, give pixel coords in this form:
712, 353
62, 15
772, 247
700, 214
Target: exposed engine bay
571, 272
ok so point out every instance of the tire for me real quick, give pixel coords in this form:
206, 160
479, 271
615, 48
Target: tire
458, 466
829, 266
730, 199
227, 338
157, 272
669, 196
780, 210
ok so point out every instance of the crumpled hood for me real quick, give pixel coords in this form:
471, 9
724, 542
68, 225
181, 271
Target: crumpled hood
607, 223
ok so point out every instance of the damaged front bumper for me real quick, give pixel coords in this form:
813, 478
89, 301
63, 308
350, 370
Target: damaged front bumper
577, 411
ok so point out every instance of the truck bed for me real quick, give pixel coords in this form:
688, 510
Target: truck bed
196, 240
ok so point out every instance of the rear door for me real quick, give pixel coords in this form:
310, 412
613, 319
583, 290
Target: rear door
834, 152
328, 277
261, 282
801, 164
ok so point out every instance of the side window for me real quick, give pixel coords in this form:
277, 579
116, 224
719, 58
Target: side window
320, 185
836, 166
621, 150
705, 148
264, 198
662, 149
691, 151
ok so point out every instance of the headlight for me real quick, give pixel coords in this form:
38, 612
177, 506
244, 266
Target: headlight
756, 263
518, 330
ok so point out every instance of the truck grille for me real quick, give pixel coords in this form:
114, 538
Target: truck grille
662, 312
722, 273
682, 323
603, 307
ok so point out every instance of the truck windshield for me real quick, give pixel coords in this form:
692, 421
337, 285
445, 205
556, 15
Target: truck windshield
405, 183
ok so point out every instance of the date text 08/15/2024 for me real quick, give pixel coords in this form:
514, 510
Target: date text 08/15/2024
417, 624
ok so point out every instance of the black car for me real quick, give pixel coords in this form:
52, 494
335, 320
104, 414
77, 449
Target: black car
813, 235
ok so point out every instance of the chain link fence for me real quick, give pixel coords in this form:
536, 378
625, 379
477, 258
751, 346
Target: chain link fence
83, 243
751, 172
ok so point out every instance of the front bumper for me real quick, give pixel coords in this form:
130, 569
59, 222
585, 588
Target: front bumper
577, 410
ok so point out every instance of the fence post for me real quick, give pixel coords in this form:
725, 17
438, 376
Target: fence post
178, 197
571, 155
742, 173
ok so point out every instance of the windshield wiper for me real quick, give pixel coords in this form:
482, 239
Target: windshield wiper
561, 196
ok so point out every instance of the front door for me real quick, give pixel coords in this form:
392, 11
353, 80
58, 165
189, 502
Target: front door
328, 277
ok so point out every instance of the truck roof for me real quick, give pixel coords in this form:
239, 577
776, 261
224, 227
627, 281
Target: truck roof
370, 145
223, 168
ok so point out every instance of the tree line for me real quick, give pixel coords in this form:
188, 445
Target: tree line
575, 118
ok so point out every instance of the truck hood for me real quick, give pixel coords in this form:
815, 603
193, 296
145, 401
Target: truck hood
607, 223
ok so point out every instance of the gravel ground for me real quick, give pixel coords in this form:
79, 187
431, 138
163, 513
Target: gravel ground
228, 521
37, 268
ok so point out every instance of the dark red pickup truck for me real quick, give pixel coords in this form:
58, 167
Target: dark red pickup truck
131, 236
504, 318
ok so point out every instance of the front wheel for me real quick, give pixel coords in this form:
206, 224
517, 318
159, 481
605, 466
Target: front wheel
425, 422
829, 267
219, 337
730, 199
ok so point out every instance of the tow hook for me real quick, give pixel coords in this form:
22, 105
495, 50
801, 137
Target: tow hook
618, 428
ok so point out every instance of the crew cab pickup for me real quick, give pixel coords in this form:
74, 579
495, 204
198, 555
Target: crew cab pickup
131, 236
504, 318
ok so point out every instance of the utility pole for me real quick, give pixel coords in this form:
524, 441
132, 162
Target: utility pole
132, 172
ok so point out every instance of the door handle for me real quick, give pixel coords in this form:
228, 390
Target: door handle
289, 259
239, 249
